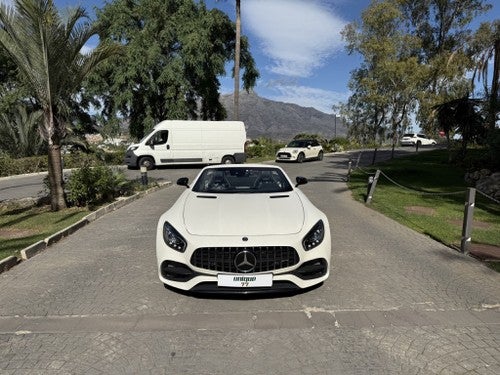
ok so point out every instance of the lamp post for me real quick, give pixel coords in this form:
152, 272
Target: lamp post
335, 125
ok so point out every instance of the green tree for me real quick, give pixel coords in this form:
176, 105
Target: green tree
386, 84
10, 85
414, 58
442, 28
47, 53
176, 50
485, 46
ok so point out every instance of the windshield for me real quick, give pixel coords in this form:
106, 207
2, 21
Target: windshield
297, 143
242, 180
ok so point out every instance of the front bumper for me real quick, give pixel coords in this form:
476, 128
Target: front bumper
286, 156
177, 270
130, 159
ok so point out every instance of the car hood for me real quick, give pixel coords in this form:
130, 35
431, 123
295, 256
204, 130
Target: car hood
290, 149
243, 214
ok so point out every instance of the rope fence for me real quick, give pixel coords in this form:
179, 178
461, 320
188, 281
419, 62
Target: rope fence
469, 204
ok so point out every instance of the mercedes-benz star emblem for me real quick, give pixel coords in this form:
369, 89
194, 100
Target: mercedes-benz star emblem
245, 261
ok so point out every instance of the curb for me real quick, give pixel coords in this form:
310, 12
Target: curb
32, 250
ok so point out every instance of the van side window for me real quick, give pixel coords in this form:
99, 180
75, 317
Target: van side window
159, 138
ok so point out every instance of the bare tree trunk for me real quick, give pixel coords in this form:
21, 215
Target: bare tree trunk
494, 87
57, 201
237, 62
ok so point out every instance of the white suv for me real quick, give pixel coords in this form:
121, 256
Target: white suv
299, 150
414, 139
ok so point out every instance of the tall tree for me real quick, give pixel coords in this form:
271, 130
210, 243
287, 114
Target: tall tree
47, 52
387, 81
442, 27
176, 50
485, 46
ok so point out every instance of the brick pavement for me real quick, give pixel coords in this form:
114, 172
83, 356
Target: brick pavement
397, 302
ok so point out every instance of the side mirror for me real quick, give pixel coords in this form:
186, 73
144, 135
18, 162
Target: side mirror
183, 181
308, 147
300, 181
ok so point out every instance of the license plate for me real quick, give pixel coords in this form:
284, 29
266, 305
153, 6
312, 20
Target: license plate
245, 280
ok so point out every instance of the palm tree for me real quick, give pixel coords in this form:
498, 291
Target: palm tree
237, 50
19, 132
237, 54
461, 115
47, 52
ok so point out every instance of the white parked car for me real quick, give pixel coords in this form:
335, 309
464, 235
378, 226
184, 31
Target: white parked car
242, 229
414, 139
299, 150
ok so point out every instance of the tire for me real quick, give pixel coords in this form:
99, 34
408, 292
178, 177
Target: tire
300, 158
227, 160
320, 155
148, 162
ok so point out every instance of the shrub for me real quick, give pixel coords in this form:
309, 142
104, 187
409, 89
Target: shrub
10, 166
92, 185
263, 147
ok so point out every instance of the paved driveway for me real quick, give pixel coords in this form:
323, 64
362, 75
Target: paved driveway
396, 302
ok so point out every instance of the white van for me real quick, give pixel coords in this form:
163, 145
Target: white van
177, 142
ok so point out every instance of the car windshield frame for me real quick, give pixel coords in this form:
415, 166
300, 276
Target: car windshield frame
242, 180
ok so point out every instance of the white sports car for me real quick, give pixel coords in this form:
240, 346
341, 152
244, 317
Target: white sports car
242, 229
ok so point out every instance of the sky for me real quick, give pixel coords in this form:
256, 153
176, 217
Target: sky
297, 46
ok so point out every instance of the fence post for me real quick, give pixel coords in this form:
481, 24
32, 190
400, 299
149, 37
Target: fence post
467, 225
144, 176
371, 186
349, 171
359, 158
374, 155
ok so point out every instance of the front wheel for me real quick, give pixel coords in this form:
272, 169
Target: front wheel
320, 155
147, 161
300, 158
227, 160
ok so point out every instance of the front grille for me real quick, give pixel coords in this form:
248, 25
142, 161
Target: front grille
284, 155
221, 259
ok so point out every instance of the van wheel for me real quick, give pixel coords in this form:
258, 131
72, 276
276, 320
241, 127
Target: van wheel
300, 158
227, 160
147, 161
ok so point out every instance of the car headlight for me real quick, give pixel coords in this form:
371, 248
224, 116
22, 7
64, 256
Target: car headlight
173, 239
295, 151
314, 237
133, 148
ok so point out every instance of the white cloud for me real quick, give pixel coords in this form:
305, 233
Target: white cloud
322, 100
297, 35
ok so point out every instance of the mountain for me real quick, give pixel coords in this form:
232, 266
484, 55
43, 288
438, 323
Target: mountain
281, 121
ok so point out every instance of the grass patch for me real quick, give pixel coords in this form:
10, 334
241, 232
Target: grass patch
23, 226
430, 197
